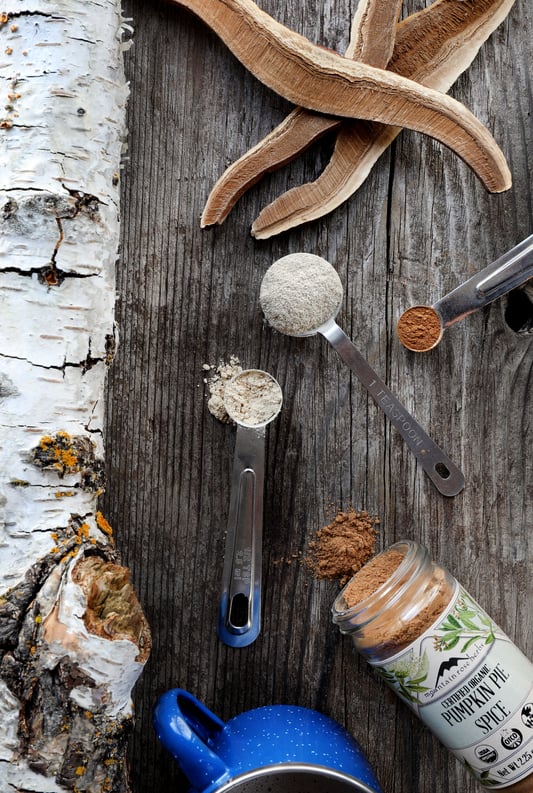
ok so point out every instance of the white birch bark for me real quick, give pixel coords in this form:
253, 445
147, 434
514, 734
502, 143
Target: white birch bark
73, 638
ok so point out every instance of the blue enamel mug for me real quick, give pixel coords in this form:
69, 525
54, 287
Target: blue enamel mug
272, 749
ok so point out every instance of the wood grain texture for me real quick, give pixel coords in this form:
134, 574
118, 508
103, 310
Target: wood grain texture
420, 225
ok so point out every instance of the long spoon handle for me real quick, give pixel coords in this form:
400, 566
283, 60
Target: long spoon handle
506, 273
444, 474
239, 621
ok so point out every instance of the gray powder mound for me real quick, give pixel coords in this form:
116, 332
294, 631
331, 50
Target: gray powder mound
253, 398
219, 376
299, 293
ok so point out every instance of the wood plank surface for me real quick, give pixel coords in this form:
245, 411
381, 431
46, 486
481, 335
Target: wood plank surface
420, 225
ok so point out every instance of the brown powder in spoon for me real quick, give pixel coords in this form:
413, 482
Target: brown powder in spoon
342, 547
419, 328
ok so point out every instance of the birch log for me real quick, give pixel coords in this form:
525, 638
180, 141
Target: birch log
73, 638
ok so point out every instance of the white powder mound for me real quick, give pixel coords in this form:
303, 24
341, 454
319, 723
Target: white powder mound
253, 398
300, 292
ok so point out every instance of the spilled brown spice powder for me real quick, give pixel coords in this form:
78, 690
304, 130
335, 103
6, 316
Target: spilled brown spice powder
342, 547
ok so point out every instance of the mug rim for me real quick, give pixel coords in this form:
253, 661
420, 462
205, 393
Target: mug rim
282, 768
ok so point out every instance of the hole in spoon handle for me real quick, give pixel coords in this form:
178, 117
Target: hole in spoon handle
448, 479
239, 611
239, 621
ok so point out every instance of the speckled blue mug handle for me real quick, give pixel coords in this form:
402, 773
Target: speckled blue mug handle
268, 742
184, 725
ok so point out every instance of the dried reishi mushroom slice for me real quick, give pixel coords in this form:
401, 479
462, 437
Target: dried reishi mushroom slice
373, 32
451, 34
357, 148
371, 40
322, 80
300, 129
434, 47
438, 43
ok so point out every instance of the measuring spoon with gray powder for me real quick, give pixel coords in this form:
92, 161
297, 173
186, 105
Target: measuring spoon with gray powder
301, 295
252, 399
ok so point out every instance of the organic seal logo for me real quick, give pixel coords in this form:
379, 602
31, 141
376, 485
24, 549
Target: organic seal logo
487, 754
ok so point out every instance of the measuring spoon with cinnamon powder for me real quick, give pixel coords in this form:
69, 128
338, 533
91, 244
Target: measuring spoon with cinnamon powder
301, 295
421, 328
252, 399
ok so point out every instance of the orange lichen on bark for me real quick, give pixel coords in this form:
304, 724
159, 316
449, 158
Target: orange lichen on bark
83, 532
64, 493
103, 524
69, 539
59, 451
68, 455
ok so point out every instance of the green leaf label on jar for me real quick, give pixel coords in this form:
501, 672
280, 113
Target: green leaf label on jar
473, 688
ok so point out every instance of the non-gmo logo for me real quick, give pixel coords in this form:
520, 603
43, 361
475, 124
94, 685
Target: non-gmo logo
511, 739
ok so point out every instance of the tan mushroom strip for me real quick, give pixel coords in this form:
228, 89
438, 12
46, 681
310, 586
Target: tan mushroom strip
321, 80
301, 128
457, 31
433, 47
373, 32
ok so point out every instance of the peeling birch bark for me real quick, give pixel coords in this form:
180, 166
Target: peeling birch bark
73, 638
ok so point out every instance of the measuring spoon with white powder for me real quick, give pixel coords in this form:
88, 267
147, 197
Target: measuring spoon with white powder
301, 295
252, 399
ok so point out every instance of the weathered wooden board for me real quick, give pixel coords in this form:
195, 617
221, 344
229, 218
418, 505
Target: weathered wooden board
420, 225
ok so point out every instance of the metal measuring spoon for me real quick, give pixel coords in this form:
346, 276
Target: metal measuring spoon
300, 296
252, 399
421, 328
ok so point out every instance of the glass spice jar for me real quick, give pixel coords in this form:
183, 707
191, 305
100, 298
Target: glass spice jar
445, 657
